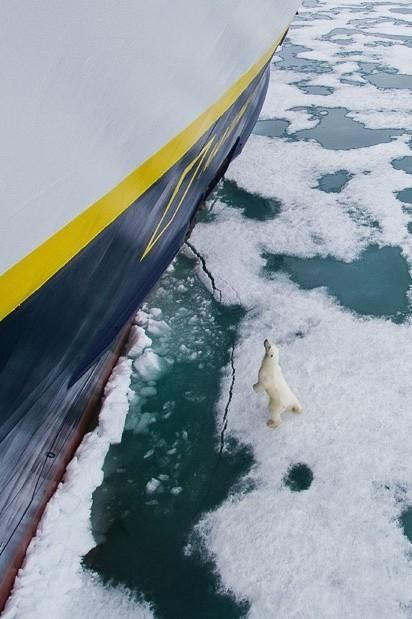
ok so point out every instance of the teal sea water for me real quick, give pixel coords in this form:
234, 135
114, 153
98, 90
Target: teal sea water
175, 462
170, 467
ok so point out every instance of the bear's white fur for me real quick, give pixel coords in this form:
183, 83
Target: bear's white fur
271, 380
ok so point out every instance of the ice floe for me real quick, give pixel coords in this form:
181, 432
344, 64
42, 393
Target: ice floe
337, 547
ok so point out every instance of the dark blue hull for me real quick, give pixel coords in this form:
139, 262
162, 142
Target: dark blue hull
58, 347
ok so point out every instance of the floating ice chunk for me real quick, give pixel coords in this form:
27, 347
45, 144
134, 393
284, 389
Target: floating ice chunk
176, 490
156, 312
141, 318
158, 327
148, 365
140, 423
153, 485
148, 391
116, 403
133, 337
139, 341
169, 406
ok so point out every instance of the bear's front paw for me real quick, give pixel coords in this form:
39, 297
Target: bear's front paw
271, 423
258, 388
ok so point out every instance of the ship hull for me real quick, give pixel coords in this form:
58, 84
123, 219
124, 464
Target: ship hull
121, 118
58, 346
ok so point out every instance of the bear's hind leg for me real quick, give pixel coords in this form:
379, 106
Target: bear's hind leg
275, 411
297, 407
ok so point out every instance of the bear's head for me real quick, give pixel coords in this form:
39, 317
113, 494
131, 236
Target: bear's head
271, 349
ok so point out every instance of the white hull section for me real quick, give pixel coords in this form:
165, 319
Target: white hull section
92, 90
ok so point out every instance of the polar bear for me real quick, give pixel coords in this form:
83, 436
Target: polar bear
271, 380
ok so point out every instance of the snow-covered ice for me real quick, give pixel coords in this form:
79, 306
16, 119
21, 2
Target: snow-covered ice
337, 549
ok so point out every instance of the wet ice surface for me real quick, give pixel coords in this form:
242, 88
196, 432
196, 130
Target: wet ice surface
376, 284
335, 129
275, 128
252, 206
311, 89
404, 163
402, 10
389, 79
328, 278
334, 182
405, 195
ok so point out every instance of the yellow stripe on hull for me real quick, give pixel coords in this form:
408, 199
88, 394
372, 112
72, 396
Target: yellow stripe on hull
32, 272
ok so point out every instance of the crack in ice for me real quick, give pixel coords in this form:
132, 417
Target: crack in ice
229, 399
205, 269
